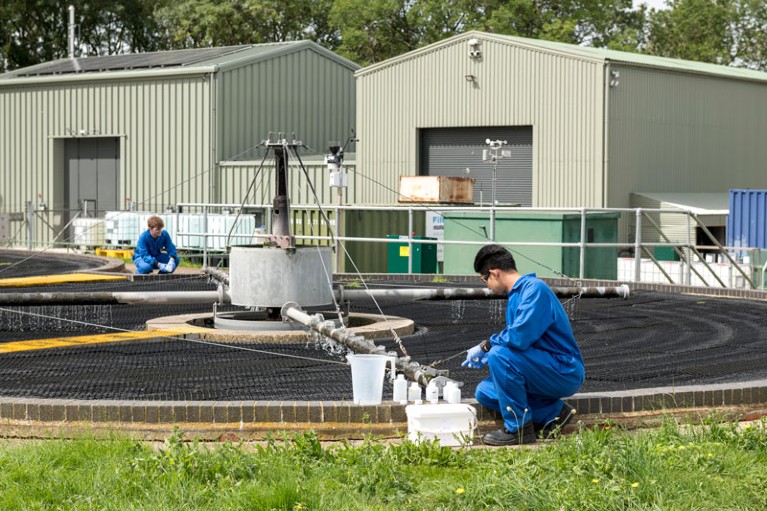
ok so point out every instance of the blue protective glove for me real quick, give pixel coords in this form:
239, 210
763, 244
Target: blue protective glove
162, 267
171, 265
475, 358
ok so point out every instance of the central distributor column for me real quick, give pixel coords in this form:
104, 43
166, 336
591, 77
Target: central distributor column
270, 275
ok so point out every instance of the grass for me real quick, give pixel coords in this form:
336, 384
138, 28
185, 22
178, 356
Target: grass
715, 465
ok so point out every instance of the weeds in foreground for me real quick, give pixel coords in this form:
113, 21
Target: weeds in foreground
711, 465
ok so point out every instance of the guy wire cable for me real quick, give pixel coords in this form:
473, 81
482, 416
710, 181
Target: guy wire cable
328, 276
397, 338
245, 198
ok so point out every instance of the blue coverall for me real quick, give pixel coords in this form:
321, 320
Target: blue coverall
534, 361
149, 252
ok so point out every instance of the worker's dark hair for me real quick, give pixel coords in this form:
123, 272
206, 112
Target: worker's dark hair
492, 257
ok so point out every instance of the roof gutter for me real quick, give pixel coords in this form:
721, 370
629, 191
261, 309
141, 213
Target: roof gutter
108, 75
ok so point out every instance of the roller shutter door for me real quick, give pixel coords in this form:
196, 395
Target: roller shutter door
450, 151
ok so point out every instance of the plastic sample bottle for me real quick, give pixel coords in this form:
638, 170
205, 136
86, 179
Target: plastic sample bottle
452, 393
400, 389
414, 393
432, 392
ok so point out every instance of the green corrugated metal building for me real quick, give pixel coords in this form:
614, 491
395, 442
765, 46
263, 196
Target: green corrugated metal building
151, 130
586, 127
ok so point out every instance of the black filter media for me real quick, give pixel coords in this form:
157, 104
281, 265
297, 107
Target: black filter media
650, 340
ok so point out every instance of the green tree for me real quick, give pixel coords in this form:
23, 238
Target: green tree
373, 30
202, 23
699, 30
35, 31
380, 29
609, 23
110, 28
750, 34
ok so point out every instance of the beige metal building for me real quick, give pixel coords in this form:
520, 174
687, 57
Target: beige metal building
586, 127
146, 131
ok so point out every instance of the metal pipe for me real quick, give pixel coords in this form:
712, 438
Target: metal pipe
221, 296
106, 298
281, 209
71, 33
217, 275
413, 371
621, 291
409, 241
582, 247
638, 247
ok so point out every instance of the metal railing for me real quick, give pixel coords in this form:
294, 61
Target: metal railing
690, 256
687, 251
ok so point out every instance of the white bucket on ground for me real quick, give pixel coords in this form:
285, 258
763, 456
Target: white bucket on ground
451, 424
368, 376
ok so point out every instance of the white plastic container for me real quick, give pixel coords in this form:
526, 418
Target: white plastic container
400, 389
432, 393
451, 424
368, 376
452, 393
414, 393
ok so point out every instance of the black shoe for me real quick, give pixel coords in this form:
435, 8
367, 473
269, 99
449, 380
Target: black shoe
557, 424
502, 436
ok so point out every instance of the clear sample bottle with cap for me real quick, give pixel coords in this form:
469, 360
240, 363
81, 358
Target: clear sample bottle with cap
400, 389
414, 393
432, 392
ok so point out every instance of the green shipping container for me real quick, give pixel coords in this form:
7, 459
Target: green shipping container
600, 263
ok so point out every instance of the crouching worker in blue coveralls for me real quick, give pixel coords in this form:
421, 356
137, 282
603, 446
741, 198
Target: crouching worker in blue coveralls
534, 362
154, 249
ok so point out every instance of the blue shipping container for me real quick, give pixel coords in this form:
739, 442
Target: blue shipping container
747, 221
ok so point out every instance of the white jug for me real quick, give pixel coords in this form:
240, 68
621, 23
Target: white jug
367, 377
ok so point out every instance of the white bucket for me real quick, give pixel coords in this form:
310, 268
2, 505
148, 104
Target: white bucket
451, 424
368, 376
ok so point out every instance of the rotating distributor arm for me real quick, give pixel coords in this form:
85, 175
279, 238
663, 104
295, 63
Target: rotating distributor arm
358, 344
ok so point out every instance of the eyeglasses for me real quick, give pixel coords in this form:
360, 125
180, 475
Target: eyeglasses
485, 277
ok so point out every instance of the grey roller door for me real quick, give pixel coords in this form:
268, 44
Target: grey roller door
450, 151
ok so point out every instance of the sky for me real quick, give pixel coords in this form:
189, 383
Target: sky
653, 4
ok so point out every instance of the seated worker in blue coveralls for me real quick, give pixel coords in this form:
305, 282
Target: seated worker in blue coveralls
534, 362
154, 249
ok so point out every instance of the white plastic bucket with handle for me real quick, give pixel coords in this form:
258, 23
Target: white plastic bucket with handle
368, 376
451, 424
